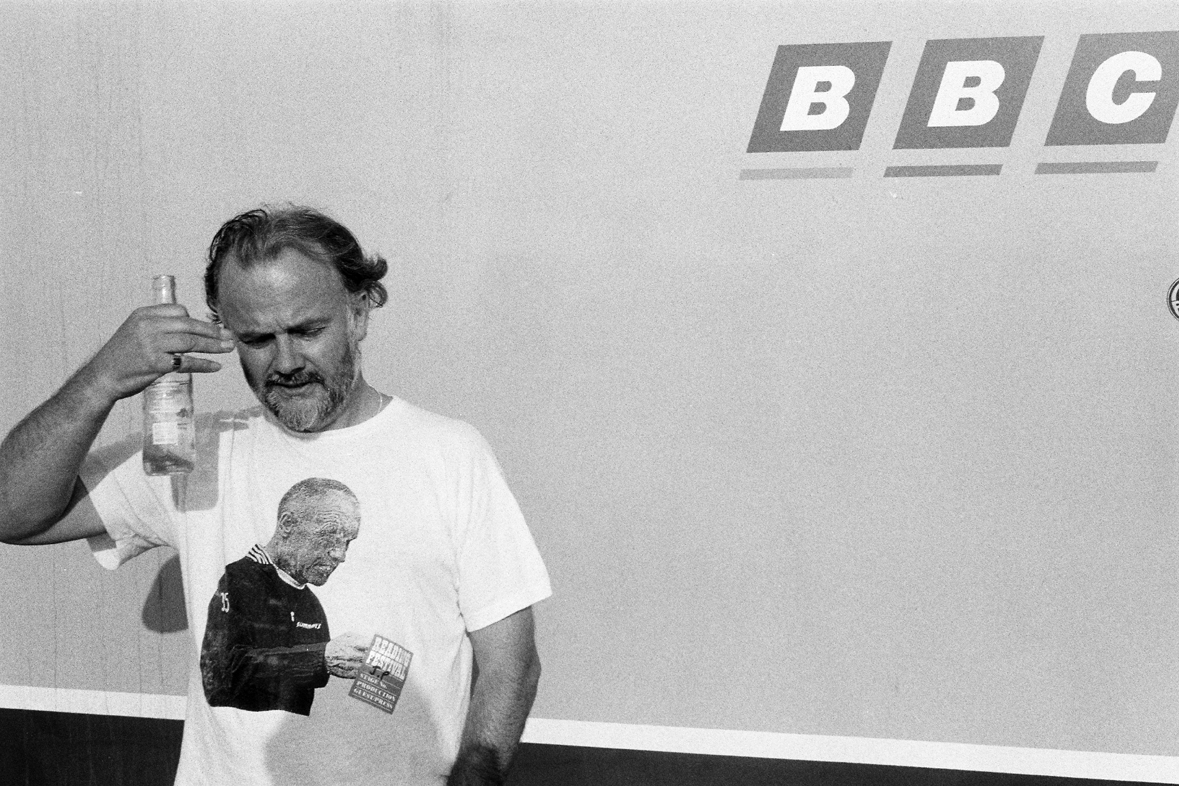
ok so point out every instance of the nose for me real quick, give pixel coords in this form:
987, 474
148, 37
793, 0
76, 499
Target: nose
287, 359
338, 553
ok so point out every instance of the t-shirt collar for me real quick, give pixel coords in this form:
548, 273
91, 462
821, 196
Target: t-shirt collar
282, 574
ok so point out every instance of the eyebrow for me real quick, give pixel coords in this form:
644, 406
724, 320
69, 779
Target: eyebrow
298, 327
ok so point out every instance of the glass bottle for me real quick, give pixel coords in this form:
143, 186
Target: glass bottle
169, 438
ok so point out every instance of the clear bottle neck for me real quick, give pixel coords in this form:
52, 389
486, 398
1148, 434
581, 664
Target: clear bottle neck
164, 289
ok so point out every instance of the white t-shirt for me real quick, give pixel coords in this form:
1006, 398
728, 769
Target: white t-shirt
442, 549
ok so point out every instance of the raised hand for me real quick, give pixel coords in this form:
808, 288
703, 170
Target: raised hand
142, 349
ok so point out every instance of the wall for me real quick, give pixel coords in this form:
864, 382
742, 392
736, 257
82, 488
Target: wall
864, 457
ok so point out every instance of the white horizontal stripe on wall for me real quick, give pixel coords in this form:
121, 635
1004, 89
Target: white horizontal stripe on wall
858, 750
718, 742
92, 702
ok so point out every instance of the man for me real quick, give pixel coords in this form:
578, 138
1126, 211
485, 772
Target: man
267, 641
445, 575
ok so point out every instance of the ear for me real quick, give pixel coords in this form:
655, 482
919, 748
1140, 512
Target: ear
286, 522
359, 316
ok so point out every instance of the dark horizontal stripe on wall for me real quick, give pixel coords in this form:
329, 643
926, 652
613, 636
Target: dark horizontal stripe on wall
545, 765
944, 170
67, 749
1096, 167
797, 173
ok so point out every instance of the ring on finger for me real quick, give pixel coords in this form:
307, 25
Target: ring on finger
177, 359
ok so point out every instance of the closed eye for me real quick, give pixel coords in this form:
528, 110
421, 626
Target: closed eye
310, 332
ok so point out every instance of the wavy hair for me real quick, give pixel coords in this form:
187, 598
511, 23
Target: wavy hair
262, 234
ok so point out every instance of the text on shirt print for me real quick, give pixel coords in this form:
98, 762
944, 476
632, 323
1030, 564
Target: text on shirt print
386, 668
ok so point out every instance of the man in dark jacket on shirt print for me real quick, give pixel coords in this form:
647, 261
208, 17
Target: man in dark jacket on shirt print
267, 645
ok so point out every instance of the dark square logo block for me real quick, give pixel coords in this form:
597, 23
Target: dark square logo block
1122, 88
968, 92
818, 97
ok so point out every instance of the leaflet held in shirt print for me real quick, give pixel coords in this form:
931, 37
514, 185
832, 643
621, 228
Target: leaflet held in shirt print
380, 681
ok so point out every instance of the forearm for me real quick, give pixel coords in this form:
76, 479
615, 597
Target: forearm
41, 456
301, 665
499, 707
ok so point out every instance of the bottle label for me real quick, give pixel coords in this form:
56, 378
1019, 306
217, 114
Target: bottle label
166, 396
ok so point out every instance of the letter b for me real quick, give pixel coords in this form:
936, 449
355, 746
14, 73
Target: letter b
805, 95
959, 85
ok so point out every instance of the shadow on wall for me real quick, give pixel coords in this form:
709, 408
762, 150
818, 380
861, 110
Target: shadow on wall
163, 611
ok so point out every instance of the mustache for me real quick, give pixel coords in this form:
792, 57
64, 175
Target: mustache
291, 380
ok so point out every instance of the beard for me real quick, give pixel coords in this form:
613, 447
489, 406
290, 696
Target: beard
320, 398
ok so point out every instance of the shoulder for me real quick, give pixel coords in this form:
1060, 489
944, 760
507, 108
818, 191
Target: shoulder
412, 422
248, 570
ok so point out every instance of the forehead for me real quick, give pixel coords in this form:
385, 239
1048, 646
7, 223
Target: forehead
336, 534
287, 290
335, 511
328, 529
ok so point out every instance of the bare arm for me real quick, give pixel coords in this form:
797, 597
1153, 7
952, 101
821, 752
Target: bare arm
41, 456
508, 673
39, 460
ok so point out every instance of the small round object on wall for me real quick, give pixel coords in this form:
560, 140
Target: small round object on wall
1173, 299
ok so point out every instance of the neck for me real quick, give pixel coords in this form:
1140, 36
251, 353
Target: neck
284, 566
364, 403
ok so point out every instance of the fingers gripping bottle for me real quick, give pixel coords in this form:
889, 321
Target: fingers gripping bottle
168, 434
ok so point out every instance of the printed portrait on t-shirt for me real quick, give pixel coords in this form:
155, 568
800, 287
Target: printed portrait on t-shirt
266, 631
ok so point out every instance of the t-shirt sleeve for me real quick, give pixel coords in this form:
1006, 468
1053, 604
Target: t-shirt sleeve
135, 509
500, 568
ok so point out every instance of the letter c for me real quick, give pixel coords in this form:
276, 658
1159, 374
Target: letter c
1099, 96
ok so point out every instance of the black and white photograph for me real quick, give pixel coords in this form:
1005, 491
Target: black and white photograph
589, 392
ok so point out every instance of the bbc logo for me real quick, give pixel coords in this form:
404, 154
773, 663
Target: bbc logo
1121, 88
